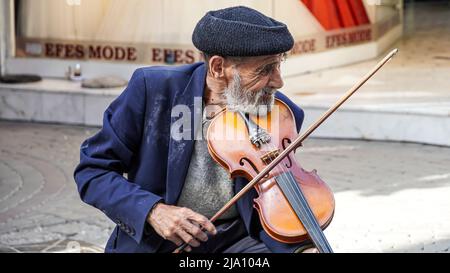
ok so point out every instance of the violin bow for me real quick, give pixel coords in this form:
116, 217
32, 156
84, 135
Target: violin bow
297, 142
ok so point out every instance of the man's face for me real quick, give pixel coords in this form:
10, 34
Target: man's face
252, 83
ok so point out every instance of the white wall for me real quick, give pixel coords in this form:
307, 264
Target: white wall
171, 21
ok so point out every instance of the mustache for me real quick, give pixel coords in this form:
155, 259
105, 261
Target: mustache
267, 91
253, 102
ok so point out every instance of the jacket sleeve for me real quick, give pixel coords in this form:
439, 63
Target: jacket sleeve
106, 156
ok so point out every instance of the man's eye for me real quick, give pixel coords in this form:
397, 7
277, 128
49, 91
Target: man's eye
265, 71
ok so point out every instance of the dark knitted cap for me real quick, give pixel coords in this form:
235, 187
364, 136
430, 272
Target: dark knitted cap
241, 31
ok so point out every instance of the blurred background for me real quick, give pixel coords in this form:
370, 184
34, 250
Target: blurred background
385, 153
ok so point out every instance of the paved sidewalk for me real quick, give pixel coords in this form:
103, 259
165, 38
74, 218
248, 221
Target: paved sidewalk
39, 205
390, 197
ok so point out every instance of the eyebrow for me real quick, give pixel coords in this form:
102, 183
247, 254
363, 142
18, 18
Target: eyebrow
259, 69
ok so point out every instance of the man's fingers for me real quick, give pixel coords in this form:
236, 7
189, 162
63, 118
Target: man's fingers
176, 240
188, 238
195, 231
203, 221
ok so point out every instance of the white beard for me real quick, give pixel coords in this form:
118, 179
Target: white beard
252, 102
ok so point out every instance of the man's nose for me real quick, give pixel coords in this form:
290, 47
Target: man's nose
276, 82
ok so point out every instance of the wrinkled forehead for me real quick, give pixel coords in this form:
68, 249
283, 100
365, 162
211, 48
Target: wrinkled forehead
250, 64
258, 61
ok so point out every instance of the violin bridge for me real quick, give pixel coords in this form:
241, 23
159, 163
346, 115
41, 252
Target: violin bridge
268, 157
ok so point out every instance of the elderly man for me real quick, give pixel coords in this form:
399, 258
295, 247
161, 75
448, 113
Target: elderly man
173, 185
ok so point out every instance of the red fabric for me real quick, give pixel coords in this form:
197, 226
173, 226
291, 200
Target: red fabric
335, 14
325, 12
359, 12
345, 13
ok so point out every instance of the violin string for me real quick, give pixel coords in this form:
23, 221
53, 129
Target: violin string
292, 189
310, 217
316, 227
284, 176
287, 181
315, 230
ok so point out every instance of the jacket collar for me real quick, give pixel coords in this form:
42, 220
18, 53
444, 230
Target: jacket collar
189, 103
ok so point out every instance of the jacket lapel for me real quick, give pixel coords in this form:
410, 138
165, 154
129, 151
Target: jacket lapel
180, 151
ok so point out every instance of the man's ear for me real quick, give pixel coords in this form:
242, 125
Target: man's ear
217, 66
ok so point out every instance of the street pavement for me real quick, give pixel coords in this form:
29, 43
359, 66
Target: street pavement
390, 197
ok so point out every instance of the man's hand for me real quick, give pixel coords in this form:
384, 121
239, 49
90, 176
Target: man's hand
180, 225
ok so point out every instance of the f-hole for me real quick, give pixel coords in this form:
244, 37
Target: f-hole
283, 143
242, 163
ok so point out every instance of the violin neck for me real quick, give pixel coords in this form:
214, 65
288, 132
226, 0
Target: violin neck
297, 200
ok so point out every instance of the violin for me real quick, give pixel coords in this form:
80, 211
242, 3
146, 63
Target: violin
293, 204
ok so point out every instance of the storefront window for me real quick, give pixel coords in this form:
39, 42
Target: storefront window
108, 30
151, 32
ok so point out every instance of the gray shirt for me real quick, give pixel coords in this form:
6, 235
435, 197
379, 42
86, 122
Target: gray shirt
208, 185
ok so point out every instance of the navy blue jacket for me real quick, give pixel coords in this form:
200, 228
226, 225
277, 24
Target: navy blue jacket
135, 139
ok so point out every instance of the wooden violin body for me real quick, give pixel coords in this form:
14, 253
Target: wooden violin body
229, 144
